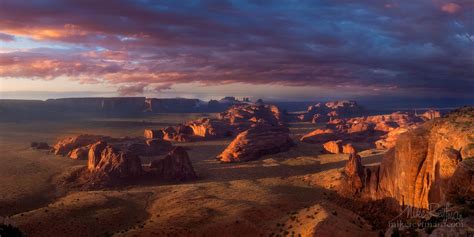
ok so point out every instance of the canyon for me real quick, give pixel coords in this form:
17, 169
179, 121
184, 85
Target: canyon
251, 169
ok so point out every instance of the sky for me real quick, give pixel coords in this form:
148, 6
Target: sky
277, 50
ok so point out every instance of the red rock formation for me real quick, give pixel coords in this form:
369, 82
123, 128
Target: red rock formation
63, 147
348, 149
242, 113
210, 128
80, 153
319, 136
95, 154
355, 173
426, 164
115, 163
175, 166
334, 147
431, 114
260, 140
152, 134
388, 140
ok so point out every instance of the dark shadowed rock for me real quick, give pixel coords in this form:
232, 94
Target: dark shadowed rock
152, 134
40, 145
176, 166
80, 153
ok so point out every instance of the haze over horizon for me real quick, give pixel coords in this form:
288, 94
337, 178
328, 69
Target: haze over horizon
394, 51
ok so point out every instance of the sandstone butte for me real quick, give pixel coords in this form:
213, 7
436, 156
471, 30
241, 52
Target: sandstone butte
175, 166
380, 131
259, 140
236, 119
430, 164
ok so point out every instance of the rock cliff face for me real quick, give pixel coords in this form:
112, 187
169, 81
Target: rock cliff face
259, 140
379, 131
115, 163
176, 166
430, 164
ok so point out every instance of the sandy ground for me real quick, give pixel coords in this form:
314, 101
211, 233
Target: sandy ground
282, 194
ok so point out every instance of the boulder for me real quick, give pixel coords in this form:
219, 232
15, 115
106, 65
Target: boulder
319, 136
176, 166
259, 140
334, 147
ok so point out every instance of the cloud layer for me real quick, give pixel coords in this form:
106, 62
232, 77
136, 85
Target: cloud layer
404, 46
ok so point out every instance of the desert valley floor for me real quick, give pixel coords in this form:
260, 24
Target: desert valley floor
284, 194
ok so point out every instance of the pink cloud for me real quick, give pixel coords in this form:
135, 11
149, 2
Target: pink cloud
450, 8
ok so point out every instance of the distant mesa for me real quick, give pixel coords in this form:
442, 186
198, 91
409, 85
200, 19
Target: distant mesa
325, 112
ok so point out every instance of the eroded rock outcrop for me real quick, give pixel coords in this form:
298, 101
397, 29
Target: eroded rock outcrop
63, 147
380, 131
334, 147
116, 163
176, 166
259, 140
236, 119
324, 112
430, 164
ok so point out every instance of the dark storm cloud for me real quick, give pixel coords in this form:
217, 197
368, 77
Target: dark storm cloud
386, 45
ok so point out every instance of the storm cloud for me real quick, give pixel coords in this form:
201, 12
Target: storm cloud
405, 46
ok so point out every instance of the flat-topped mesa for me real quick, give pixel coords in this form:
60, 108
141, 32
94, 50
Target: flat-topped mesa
175, 166
246, 113
430, 164
323, 112
261, 139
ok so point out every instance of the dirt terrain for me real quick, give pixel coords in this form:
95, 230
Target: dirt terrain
284, 194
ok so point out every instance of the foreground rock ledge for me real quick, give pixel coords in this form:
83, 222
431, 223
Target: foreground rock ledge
431, 164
